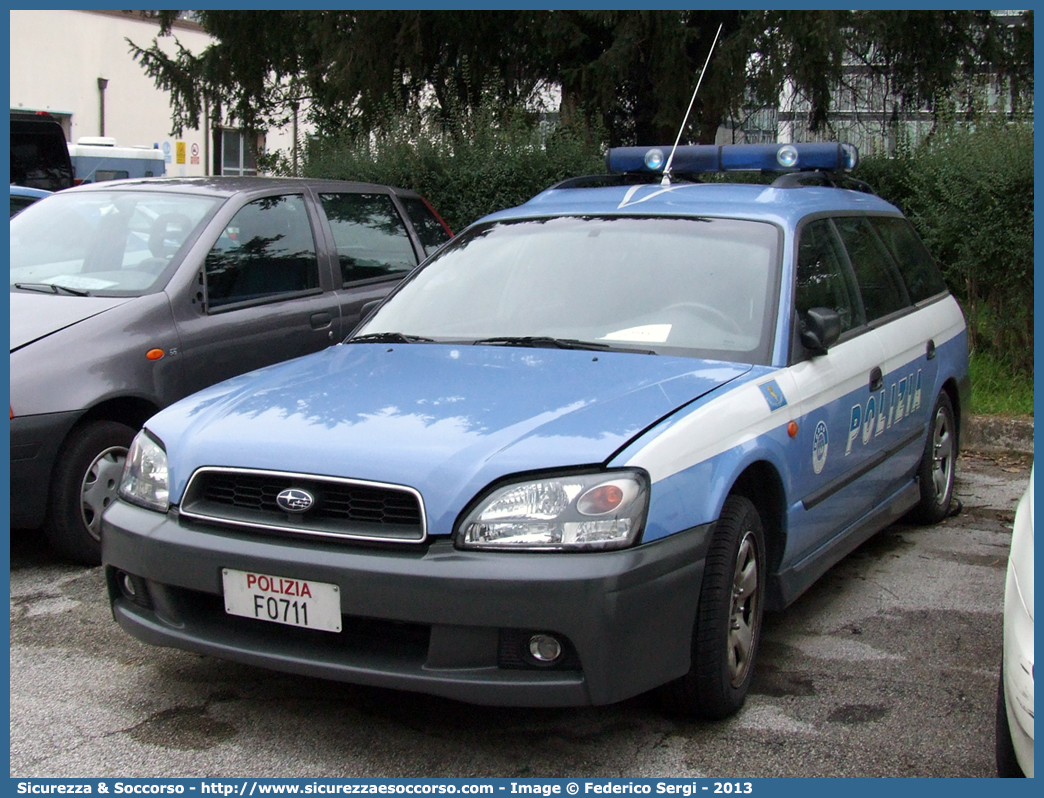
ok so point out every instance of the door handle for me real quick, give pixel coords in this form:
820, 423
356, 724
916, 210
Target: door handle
320, 321
876, 379
930, 351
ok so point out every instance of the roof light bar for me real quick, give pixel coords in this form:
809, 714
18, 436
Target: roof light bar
735, 157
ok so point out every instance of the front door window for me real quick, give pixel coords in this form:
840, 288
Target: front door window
266, 252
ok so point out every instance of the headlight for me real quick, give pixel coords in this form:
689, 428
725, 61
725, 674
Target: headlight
144, 479
576, 512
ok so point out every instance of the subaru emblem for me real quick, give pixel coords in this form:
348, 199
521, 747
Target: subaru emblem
295, 500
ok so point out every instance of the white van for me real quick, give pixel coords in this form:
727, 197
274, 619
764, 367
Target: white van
97, 158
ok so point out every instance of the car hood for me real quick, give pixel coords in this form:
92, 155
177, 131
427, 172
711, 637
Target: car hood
446, 420
35, 316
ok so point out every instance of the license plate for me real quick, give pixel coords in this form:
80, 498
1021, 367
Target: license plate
294, 602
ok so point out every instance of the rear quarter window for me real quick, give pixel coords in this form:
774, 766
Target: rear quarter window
918, 268
430, 230
879, 284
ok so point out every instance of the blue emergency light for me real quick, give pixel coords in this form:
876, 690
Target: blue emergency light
693, 158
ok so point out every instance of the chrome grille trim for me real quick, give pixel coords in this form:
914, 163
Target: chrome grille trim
194, 505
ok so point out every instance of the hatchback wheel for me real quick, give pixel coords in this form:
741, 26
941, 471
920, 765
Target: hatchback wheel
87, 476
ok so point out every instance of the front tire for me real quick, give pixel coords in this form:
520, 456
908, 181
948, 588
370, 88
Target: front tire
86, 478
728, 618
938, 465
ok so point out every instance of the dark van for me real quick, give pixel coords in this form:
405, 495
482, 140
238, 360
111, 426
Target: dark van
39, 155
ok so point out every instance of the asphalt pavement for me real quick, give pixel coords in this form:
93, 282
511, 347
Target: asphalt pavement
887, 667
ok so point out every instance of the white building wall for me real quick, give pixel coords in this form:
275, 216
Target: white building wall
82, 46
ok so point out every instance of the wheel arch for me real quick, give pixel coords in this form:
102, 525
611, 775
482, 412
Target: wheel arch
133, 411
952, 390
761, 484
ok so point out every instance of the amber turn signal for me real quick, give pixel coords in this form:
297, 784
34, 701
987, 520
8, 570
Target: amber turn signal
154, 354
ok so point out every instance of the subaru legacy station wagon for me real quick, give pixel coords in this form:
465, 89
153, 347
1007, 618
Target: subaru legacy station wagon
575, 455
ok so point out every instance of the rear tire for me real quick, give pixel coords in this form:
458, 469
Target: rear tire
86, 478
938, 465
728, 618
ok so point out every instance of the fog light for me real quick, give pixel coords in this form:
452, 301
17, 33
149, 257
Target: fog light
133, 589
127, 584
544, 648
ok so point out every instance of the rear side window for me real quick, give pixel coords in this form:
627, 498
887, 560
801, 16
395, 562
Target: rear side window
915, 263
265, 252
370, 236
879, 282
432, 233
823, 279
110, 174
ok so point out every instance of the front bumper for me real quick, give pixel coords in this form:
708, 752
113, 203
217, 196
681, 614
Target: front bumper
35, 441
431, 619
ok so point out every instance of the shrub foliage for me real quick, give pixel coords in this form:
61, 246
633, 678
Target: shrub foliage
969, 192
468, 165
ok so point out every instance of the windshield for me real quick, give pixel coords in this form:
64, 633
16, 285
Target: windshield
114, 243
695, 287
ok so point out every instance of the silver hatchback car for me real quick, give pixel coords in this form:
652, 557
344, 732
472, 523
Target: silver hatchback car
129, 295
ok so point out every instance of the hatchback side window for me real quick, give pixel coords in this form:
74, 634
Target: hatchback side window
823, 278
267, 251
915, 262
370, 236
879, 283
430, 229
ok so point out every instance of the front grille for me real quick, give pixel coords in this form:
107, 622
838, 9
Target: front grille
342, 508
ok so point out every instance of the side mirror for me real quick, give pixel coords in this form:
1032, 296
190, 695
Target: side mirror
368, 308
821, 327
365, 312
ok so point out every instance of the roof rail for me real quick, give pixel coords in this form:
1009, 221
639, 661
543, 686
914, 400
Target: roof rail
602, 181
820, 178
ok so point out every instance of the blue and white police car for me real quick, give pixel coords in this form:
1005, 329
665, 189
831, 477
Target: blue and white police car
577, 453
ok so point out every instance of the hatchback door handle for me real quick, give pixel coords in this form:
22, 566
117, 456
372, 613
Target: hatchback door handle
320, 321
876, 379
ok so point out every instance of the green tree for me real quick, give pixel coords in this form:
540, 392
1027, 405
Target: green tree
630, 73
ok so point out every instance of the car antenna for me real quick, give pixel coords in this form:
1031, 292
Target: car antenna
666, 181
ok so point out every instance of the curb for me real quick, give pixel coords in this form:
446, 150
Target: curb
998, 435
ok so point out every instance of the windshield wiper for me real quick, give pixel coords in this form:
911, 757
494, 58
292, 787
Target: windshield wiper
390, 338
51, 288
547, 342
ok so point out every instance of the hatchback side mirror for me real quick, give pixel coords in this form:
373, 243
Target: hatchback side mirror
821, 327
364, 313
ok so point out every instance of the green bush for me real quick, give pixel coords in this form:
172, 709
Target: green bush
969, 191
468, 165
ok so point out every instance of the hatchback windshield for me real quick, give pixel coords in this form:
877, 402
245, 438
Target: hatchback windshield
695, 287
114, 243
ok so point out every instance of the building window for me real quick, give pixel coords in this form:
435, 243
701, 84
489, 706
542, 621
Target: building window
238, 153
